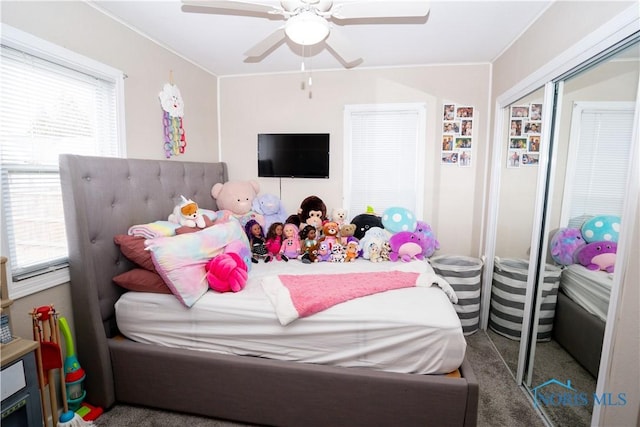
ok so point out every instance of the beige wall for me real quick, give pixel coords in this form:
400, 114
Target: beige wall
275, 103
562, 25
79, 27
84, 30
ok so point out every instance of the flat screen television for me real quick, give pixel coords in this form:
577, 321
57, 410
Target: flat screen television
293, 155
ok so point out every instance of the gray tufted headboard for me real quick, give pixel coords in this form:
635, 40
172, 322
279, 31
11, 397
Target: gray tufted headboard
103, 197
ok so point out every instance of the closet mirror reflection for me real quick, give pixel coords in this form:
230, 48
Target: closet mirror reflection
522, 122
590, 155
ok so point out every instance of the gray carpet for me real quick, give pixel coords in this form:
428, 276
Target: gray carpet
552, 361
502, 402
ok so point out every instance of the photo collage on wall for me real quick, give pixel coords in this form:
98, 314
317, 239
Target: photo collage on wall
525, 128
457, 135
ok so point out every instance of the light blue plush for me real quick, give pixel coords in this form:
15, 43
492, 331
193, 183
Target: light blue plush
601, 228
396, 219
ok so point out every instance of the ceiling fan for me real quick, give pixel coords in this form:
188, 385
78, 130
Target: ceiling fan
308, 22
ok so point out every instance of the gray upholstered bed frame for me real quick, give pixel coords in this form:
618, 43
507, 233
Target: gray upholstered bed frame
102, 197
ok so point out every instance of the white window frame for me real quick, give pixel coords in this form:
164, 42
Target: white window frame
25, 42
421, 110
579, 107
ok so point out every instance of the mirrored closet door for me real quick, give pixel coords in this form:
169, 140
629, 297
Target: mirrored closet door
558, 199
590, 154
516, 196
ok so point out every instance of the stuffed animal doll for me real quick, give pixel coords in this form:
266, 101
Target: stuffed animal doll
373, 252
312, 211
601, 228
330, 232
339, 216
405, 246
256, 241
352, 250
226, 272
187, 214
396, 219
338, 253
346, 233
274, 240
271, 208
323, 252
309, 244
237, 197
385, 251
598, 255
364, 222
565, 244
428, 239
290, 248
373, 234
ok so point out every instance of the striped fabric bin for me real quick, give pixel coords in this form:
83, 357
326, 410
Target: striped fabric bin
508, 294
464, 274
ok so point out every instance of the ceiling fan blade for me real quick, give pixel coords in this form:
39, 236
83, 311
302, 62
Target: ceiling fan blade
239, 6
270, 42
380, 9
341, 48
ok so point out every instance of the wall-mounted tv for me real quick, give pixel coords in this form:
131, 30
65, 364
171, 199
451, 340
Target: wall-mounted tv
293, 155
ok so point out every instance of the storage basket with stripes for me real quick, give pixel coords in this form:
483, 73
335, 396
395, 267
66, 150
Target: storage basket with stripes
508, 296
464, 274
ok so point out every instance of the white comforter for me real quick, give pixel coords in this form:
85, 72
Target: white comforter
411, 330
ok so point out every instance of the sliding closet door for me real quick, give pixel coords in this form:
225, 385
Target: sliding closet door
516, 222
590, 156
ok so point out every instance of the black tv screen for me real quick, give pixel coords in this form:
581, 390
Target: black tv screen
293, 155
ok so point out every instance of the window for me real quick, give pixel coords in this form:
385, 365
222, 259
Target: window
53, 102
598, 160
384, 157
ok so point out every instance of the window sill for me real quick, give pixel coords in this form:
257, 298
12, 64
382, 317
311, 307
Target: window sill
38, 283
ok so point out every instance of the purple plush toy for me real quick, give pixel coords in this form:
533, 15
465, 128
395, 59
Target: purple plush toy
598, 255
405, 246
429, 242
565, 244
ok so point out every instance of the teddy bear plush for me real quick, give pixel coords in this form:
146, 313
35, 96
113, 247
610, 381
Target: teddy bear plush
236, 197
346, 233
312, 211
270, 207
339, 215
330, 231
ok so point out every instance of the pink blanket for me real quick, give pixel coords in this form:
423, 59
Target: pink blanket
295, 296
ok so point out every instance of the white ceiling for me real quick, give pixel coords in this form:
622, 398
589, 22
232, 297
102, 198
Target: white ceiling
454, 32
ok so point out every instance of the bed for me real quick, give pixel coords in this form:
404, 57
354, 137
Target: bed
583, 301
103, 197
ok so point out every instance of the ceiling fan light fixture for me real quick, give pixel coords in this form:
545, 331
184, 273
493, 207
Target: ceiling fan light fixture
306, 28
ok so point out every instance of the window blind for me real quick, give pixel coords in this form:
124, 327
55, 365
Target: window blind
386, 158
47, 109
600, 161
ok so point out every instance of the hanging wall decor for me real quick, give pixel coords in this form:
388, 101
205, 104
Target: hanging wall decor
173, 111
525, 126
457, 135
